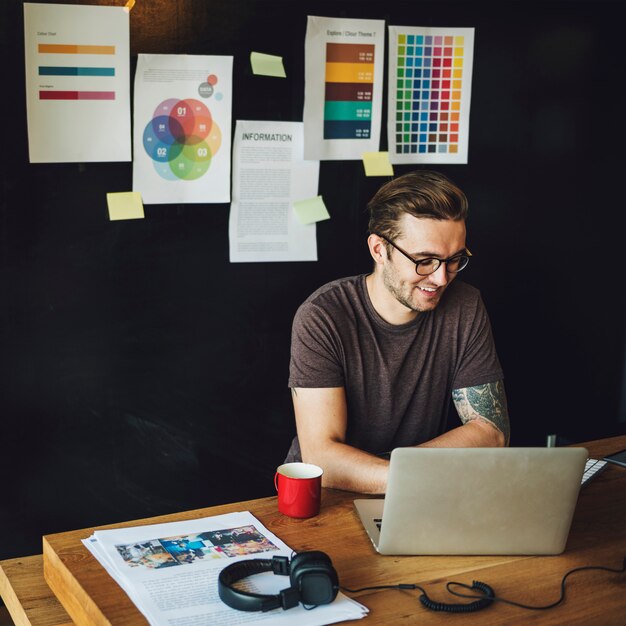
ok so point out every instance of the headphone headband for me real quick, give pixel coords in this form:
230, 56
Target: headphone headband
313, 582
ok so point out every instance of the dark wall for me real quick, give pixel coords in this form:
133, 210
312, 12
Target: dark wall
142, 373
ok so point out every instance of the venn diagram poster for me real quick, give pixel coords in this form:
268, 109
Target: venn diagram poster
344, 64
77, 83
182, 128
430, 82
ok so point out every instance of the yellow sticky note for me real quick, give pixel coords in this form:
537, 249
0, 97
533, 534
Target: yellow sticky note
125, 206
377, 164
311, 210
267, 64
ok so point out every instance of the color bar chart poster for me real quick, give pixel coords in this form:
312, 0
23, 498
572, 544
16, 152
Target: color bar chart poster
343, 87
77, 83
182, 128
430, 81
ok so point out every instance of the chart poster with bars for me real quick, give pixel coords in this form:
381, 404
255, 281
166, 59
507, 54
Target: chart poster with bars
343, 87
182, 134
430, 79
77, 83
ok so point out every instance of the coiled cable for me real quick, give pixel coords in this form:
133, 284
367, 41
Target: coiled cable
487, 596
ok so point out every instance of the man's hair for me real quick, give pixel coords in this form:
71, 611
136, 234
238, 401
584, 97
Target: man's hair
423, 194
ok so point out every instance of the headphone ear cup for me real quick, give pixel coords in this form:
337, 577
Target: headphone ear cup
313, 575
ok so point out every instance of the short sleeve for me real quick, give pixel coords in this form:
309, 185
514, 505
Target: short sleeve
479, 363
316, 350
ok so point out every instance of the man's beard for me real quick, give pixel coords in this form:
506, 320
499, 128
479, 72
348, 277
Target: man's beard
402, 291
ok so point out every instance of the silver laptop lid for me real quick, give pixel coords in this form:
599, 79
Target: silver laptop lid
480, 500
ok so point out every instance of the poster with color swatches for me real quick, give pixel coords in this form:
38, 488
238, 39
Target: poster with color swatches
343, 87
77, 83
430, 79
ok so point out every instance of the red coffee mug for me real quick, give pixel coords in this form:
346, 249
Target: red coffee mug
299, 487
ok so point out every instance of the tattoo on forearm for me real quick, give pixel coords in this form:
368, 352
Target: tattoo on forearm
486, 403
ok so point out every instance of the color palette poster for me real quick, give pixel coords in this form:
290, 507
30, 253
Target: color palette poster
182, 128
77, 83
343, 87
430, 80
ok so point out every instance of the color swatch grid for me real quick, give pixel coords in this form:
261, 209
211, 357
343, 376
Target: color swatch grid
349, 85
430, 80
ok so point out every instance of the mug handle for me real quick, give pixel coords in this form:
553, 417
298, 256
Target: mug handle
276, 481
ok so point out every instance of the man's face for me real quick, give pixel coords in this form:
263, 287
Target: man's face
422, 238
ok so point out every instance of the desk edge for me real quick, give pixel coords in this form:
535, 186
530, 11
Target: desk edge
11, 601
79, 605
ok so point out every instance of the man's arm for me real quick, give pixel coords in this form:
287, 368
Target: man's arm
485, 416
321, 421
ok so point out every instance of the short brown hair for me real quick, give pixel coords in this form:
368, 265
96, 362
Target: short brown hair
423, 194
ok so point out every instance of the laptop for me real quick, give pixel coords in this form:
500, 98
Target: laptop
479, 501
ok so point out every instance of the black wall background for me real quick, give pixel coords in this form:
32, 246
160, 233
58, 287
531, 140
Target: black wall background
142, 373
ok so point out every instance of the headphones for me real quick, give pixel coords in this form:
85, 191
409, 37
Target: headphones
312, 576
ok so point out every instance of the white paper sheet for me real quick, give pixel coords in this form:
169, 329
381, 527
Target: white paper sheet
182, 121
343, 87
269, 175
430, 82
77, 83
170, 571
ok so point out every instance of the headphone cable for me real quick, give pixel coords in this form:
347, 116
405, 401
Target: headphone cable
488, 596
620, 570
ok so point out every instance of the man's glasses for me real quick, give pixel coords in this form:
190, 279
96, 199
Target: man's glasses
430, 265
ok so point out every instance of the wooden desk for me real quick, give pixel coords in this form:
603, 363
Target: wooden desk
598, 536
27, 596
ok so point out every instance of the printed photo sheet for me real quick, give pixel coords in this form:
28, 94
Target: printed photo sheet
170, 571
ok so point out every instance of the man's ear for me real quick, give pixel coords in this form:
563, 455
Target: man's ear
377, 248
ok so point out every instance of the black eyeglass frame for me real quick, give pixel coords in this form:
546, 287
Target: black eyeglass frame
417, 262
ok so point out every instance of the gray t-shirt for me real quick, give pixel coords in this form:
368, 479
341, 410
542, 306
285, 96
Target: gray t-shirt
398, 379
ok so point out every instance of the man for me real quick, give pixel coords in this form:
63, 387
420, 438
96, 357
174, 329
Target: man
375, 359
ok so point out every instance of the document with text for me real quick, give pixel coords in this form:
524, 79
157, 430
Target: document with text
170, 571
269, 175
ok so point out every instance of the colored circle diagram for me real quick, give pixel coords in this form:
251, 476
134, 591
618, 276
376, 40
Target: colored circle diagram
181, 139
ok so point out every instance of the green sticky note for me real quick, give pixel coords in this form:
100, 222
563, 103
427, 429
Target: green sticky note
267, 64
377, 164
126, 205
311, 210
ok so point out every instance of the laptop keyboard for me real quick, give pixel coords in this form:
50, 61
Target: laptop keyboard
592, 468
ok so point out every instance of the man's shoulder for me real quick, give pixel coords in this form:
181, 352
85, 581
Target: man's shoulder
460, 291
347, 288
335, 302
460, 300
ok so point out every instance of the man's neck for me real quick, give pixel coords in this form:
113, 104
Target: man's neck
392, 311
